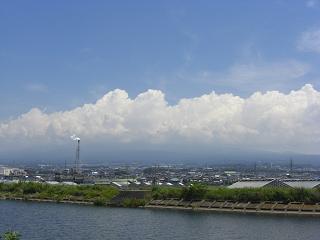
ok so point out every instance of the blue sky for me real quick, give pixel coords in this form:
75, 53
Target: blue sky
56, 55
233, 75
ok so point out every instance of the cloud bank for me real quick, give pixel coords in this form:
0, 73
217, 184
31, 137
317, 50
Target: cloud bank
271, 121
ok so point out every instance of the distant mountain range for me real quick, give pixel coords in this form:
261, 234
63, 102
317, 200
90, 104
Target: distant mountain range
158, 156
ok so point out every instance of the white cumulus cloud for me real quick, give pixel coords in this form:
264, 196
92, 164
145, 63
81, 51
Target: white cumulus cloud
271, 121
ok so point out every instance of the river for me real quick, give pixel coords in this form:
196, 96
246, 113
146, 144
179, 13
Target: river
50, 221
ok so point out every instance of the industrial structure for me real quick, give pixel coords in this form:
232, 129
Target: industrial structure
77, 167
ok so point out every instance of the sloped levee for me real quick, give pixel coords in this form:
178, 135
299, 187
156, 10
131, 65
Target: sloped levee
297, 208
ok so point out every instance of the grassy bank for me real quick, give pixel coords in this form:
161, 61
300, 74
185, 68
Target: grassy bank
98, 195
199, 192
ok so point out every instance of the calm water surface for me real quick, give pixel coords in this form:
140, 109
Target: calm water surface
48, 221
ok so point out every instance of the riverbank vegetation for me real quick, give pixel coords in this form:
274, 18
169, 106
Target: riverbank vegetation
11, 236
133, 202
201, 192
98, 195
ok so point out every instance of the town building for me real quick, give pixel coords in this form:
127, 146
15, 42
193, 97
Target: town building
6, 171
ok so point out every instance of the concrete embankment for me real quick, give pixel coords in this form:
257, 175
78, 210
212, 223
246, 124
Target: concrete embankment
276, 208
293, 208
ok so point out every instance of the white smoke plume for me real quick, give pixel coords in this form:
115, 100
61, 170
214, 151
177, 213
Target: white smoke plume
74, 137
271, 121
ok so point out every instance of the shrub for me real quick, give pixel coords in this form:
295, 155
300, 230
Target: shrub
166, 192
194, 191
99, 202
57, 192
133, 202
198, 191
11, 236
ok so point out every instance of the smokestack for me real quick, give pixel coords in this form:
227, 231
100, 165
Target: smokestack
77, 159
77, 162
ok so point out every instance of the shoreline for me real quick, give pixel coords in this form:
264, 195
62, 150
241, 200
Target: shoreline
47, 200
237, 211
284, 212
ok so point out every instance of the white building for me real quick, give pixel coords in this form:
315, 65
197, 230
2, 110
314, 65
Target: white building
6, 171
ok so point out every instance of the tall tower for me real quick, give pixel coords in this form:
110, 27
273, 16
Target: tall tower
77, 160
